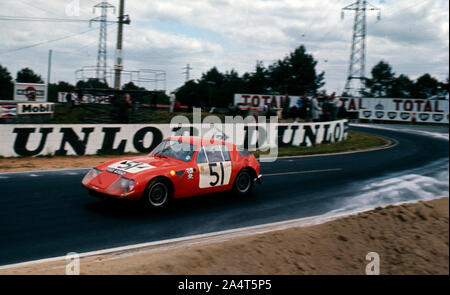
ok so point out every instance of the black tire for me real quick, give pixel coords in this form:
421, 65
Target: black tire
243, 183
158, 193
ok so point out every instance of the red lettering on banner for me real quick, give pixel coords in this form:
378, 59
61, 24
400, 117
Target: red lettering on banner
281, 101
274, 102
266, 98
245, 97
397, 102
352, 105
255, 98
344, 100
419, 103
427, 107
408, 105
360, 104
436, 107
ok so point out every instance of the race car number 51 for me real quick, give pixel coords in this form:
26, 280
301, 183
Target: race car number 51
214, 174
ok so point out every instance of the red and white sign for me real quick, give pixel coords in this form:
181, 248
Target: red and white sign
395, 105
30, 92
258, 101
7, 111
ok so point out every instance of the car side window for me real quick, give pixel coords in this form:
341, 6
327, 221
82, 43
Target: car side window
201, 158
226, 153
214, 153
244, 153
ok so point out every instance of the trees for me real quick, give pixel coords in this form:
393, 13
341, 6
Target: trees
382, 79
61, 86
131, 86
27, 75
6, 84
425, 86
92, 83
401, 87
384, 83
294, 74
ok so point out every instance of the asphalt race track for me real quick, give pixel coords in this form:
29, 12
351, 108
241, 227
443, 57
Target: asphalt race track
47, 214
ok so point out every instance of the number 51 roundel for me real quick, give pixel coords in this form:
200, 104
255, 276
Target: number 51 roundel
214, 174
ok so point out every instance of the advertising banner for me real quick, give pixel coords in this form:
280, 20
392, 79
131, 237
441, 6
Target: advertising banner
397, 109
7, 111
30, 92
79, 139
35, 108
258, 101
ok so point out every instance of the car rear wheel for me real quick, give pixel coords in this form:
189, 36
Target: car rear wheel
157, 194
243, 183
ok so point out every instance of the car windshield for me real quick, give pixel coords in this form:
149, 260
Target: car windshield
175, 149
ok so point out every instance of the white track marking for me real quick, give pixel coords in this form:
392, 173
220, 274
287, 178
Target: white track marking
34, 175
302, 172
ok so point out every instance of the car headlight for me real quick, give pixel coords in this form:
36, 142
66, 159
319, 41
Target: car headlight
121, 186
93, 173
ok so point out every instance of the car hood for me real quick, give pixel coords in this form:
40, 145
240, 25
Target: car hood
134, 166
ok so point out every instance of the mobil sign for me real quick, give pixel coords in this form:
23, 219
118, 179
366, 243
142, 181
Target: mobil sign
30, 92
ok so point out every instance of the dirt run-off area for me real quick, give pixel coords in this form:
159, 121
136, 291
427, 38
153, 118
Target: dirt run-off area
409, 239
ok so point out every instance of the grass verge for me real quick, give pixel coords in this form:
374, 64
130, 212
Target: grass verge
356, 141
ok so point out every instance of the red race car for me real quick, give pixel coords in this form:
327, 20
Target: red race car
178, 167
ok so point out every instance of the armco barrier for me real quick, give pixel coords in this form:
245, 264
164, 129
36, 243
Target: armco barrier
88, 139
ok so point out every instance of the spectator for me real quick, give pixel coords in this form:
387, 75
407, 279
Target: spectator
315, 109
285, 106
172, 99
79, 96
69, 100
154, 100
125, 105
334, 106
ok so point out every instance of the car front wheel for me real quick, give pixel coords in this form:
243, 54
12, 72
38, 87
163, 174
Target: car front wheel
157, 194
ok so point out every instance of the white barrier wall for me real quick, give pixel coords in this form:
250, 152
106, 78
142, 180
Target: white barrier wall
87, 139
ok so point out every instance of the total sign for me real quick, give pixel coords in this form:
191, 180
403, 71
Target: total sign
258, 101
30, 92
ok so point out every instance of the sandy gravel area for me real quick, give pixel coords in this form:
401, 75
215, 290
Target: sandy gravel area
409, 238
55, 162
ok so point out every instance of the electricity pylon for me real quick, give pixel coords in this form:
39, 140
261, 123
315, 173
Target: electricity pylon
102, 40
355, 84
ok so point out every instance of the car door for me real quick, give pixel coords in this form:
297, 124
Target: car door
214, 167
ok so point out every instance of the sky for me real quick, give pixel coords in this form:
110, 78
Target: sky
412, 36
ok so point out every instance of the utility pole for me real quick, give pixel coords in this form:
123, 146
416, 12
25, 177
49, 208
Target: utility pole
355, 84
49, 70
102, 40
187, 71
118, 64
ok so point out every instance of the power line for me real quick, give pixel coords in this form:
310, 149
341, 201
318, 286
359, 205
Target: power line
47, 41
48, 19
